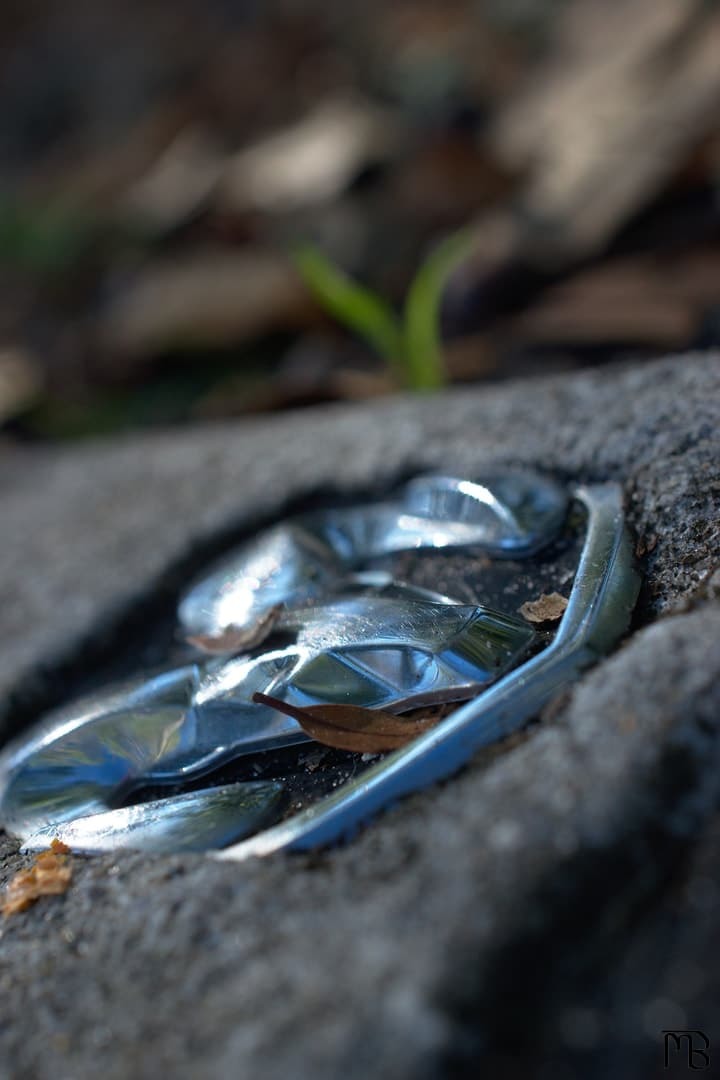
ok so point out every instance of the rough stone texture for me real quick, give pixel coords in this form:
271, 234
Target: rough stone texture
546, 913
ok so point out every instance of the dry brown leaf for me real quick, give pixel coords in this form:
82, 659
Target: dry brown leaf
626, 300
57, 847
177, 183
547, 608
312, 161
235, 639
208, 299
625, 94
352, 727
49, 875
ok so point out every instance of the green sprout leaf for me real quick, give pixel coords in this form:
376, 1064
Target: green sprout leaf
412, 346
358, 308
423, 346
47, 239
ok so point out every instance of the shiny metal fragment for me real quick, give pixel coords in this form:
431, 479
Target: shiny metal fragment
510, 513
602, 598
65, 764
195, 821
387, 652
288, 564
507, 513
377, 643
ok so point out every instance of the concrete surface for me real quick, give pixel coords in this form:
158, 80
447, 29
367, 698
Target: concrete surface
546, 913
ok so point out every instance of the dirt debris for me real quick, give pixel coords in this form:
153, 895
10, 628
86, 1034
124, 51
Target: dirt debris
547, 608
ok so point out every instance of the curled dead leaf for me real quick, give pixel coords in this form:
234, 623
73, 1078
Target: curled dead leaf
547, 608
235, 639
49, 875
352, 727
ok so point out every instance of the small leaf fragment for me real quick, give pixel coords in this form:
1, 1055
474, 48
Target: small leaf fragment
235, 639
49, 875
352, 727
547, 608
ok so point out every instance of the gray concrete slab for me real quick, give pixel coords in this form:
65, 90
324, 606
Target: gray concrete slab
502, 920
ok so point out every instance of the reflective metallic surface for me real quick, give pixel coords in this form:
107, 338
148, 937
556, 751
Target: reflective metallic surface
196, 821
174, 686
505, 514
67, 762
346, 634
603, 596
286, 564
376, 652
509, 513
384, 652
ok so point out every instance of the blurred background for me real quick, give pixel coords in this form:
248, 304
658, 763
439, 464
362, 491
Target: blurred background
161, 160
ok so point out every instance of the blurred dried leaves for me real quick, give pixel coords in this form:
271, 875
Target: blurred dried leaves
147, 244
626, 93
205, 299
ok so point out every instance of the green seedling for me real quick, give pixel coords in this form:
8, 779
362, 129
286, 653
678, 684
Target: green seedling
410, 343
43, 239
